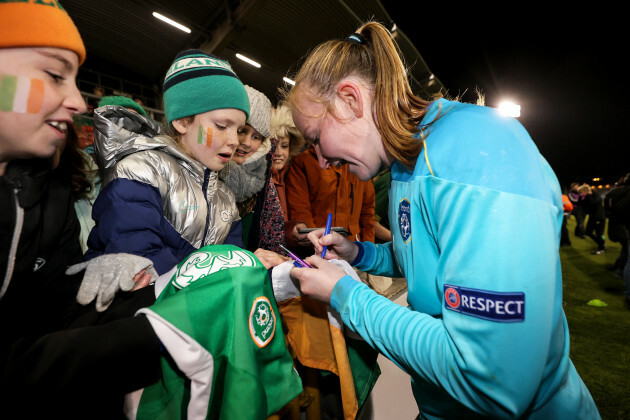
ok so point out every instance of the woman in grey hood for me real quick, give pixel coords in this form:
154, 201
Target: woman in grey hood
161, 197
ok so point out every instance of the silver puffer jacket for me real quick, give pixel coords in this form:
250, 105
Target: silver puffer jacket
129, 145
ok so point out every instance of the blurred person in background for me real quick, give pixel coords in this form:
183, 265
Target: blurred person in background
594, 208
567, 208
617, 205
578, 209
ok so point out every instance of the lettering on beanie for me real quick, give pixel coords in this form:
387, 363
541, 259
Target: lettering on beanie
191, 67
194, 63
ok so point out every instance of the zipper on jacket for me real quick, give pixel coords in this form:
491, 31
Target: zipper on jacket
351, 198
19, 221
204, 189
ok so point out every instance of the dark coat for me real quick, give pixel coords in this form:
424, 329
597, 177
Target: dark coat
57, 357
48, 244
617, 205
595, 206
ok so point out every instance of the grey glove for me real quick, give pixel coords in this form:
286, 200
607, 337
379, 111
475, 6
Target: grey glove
107, 274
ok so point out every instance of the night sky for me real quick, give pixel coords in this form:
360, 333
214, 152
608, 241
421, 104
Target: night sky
564, 69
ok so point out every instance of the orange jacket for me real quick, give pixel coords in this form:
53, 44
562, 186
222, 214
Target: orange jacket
567, 204
280, 184
313, 192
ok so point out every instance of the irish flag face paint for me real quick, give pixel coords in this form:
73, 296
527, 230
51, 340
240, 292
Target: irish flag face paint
21, 94
204, 137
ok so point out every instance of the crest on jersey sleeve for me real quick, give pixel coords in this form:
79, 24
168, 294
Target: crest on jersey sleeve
262, 321
404, 219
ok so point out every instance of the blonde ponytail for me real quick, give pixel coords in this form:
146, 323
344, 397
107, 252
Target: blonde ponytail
372, 55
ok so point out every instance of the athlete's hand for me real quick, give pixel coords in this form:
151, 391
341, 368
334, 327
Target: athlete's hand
318, 282
338, 246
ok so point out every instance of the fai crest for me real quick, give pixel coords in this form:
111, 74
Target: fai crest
262, 321
404, 219
201, 263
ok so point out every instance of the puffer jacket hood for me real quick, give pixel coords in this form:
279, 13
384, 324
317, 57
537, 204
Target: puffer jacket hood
119, 132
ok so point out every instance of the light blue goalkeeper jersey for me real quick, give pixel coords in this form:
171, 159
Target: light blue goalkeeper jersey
476, 230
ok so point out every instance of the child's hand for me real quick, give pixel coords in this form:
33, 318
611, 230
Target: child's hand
142, 279
269, 258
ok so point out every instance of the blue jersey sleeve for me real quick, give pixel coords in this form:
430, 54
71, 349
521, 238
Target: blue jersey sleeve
378, 260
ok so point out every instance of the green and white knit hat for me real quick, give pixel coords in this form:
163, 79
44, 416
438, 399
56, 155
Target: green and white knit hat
122, 101
199, 82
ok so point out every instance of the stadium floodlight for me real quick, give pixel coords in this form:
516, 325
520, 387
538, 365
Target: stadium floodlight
247, 60
509, 109
171, 22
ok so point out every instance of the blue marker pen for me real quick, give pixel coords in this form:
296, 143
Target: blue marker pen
299, 263
327, 231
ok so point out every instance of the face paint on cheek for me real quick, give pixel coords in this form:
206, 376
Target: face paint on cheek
21, 94
204, 137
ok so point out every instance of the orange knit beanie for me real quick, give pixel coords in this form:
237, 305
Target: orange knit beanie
38, 23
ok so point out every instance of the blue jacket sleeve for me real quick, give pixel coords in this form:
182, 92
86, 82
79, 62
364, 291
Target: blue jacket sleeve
235, 237
129, 219
470, 238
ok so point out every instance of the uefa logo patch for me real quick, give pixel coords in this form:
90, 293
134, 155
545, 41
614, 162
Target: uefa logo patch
485, 304
451, 298
262, 321
404, 219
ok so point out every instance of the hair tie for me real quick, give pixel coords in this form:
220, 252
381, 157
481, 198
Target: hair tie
356, 38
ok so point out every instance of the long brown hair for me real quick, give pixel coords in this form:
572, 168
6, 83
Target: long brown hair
73, 167
376, 59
